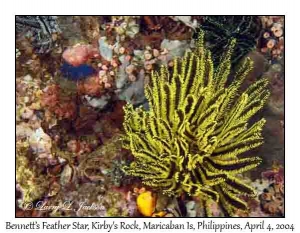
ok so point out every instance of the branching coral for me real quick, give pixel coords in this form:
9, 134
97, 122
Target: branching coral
197, 126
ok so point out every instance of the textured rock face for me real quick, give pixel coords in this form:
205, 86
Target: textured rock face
134, 93
177, 48
273, 148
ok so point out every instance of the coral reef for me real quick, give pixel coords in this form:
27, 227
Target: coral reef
98, 166
86, 119
153, 204
58, 103
272, 199
92, 200
79, 54
270, 189
271, 42
123, 26
28, 97
90, 86
94, 186
275, 74
30, 183
131, 116
90, 27
80, 29
172, 27
186, 143
276, 174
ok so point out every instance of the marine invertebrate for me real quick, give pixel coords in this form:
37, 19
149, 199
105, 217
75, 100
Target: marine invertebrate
80, 53
90, 86
41, 143
196, 126
272, 199
90, 26
59, 103
146, 203
271, 41
124, 26
219, 30
271, 196
40, 29
97, 166
275, 174
170, 27
85, 120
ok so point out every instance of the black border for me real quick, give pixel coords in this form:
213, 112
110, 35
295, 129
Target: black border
160, 217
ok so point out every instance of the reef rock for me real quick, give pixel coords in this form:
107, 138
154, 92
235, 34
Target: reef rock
99, 103
134, 93
176, 48
41, 143
105, 49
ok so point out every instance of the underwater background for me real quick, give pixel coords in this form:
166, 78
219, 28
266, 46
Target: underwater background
149, 116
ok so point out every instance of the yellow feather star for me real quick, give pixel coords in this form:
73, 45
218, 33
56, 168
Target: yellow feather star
197, 125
